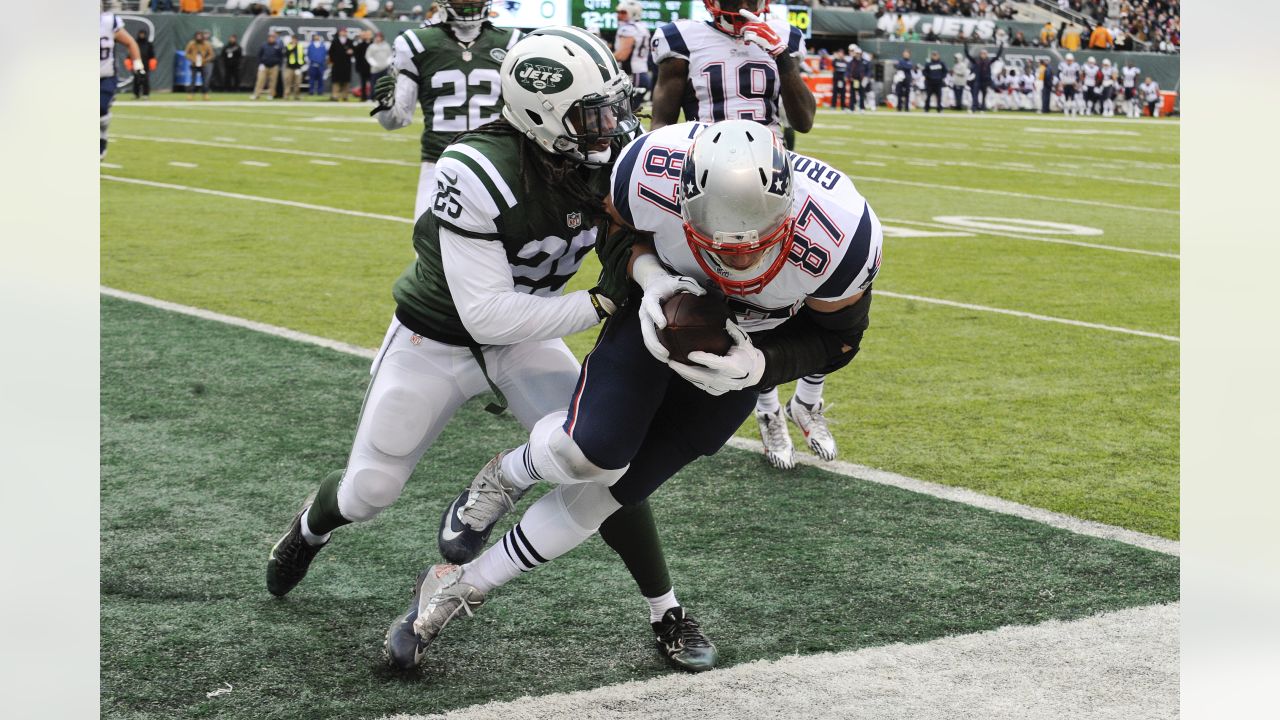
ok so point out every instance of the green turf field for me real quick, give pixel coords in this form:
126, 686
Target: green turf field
211, 435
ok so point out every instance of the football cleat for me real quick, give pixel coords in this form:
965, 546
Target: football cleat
778, 449
813, 423
681, 641
439, 595
467, 522
290, 557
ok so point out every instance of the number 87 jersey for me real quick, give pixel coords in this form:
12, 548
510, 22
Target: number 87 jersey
837, 241
730, 79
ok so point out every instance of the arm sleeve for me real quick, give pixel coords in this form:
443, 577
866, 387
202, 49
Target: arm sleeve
401, 113
668, 43
813, 342
484, 294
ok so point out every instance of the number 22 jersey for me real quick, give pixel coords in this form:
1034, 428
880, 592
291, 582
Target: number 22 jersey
730, 79
838, 239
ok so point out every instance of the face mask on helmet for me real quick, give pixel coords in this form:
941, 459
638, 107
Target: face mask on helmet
738, 218
466, 13
595, 126
726, 18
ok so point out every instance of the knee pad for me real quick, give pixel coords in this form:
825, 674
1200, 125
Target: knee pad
367, 491
558, 459
398, 419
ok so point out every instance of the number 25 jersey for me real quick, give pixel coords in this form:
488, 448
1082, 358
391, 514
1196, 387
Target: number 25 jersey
838, 239
730, 79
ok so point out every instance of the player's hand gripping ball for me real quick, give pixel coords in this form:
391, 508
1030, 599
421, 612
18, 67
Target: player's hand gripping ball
695, 322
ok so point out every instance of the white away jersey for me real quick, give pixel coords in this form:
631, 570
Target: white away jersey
731, 79
1090, 75
1130, 75
838, 238
108, 27
638, 63
1069, 73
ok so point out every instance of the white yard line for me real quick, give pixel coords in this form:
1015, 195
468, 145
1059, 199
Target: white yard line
111, 166
1030, 316
1058, 117
264, 126
1010, 193
1008, 168
324, 162
883, 477
179, 163
1035, 238
255, 198
1122, 664
256, 148
968, 147
255, 163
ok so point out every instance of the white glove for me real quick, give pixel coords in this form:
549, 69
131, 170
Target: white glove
761, 34
658, 285
719, 374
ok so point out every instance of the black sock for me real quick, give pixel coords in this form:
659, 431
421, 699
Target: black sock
324, 516
632, 533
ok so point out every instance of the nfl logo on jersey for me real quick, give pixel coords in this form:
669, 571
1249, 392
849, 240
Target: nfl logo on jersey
573, 220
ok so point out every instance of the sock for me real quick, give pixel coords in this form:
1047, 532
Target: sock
661, 604
809, 389
323, 515
517, 466
633, 535
768, 401
311, 538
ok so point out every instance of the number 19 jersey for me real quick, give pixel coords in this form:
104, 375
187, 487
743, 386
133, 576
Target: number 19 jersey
458, 84
731, 79
838, 239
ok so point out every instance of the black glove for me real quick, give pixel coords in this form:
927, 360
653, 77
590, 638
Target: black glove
615, 255
384, 94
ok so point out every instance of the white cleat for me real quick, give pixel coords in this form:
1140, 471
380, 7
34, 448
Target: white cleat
778, 449
813, 423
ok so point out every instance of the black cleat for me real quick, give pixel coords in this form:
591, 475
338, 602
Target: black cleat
682, 642
404, 648
290, 557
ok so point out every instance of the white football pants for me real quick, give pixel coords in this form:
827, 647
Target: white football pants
417, 386
426, 189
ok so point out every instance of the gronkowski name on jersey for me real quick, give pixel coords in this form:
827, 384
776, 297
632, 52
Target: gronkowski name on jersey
638, 63
838, 238
108, 26
731, 79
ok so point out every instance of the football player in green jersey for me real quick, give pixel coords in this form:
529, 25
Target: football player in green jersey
451, 70
481, 307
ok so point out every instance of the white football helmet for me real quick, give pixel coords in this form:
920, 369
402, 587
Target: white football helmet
726, 18
565, 91
736, 196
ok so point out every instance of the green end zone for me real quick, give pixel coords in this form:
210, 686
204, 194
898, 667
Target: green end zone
212, 435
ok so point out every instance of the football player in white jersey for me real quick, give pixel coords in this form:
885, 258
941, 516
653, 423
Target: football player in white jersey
1069, 80
1091, 74
1149, 91
737, 67
631, 47
111, 31
1107, 88
1129, 78
723, 207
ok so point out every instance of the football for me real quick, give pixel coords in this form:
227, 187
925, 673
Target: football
695, 322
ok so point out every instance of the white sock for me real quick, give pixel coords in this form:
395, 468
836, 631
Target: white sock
809, 389
517, 466
768, 402
658, 606
311, 538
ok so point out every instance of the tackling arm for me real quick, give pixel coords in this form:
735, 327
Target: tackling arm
823, 337
673, 74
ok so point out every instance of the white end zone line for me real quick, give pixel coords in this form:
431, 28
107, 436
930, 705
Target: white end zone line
882, 477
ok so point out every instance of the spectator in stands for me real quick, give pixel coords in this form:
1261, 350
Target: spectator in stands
200, 54
232, 54
981, 66
902, 81
360, 47
1019, 40
378, 56
1048, 36
270, 55
195, 6
161, 6
839, 72
389, 10
1071, 39
295, 56
960, 80
340, 56
147, 51
935, 74
1100, 39
317, 56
